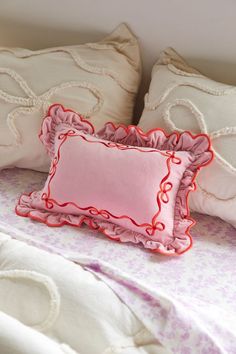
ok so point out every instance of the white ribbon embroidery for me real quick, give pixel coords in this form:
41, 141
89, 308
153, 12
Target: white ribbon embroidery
50, 286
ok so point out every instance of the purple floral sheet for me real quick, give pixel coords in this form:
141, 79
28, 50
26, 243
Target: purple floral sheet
188, 302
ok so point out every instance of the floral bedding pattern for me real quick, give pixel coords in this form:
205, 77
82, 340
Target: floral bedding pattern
187, 302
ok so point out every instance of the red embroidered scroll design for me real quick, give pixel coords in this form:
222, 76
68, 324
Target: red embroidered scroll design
162, 195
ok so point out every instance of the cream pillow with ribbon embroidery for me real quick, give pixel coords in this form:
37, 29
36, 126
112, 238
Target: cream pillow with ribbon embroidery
181, 98
99, 80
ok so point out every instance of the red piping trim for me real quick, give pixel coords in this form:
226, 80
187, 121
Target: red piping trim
89, 222
142, 133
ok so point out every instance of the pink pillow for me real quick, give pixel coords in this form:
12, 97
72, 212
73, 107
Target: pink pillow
131, 186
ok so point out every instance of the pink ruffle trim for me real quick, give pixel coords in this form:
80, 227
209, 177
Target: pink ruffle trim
57, 119
199, 146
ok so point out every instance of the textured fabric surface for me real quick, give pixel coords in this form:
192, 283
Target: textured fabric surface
181, 98
51, 305
134, 191
187, 302
100, 80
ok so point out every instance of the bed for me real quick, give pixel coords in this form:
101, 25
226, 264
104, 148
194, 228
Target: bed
68, 290
185, 302
68, 312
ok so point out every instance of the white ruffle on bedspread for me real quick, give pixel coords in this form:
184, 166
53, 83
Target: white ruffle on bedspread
187, 302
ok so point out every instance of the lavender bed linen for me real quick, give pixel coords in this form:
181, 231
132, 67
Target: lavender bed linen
188, 302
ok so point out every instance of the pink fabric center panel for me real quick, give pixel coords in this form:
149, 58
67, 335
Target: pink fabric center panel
133, 187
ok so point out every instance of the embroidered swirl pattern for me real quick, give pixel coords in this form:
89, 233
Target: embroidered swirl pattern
188, 81
162, 194
34, 103
37, 103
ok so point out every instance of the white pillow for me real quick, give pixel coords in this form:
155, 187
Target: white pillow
99, 80
180, 98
